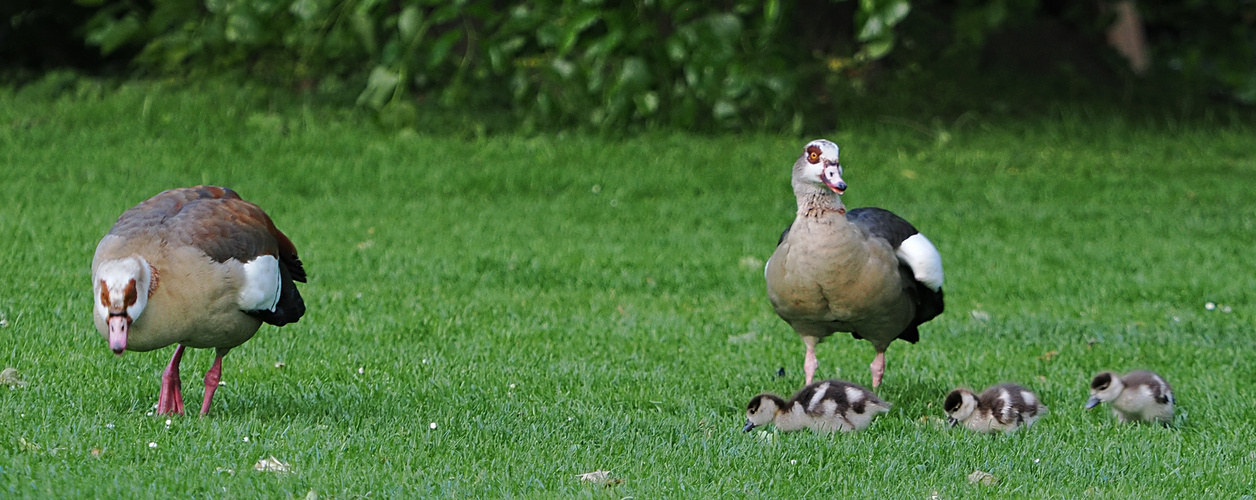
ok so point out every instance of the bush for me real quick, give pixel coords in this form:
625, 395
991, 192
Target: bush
605, 65
727, 65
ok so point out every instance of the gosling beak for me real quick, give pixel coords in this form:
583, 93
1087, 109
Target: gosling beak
951, 422
1091, 403
749, 425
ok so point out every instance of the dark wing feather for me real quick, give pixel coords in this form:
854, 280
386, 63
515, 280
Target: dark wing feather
784, 234
883, 224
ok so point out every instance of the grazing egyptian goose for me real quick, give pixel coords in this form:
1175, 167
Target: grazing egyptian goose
1139, 396
825, 406
866, 271
1003, 407
198, 267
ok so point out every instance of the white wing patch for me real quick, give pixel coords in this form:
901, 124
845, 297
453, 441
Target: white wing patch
1029, 398
819, 395
260, 290
923, 258
854, 395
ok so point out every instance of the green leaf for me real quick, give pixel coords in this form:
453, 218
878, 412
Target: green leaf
563, 67
725, 27
440, 49
605, 45
306, 10
364, 27
634, 74
410, 24
647, 103
243, 27
115, 34
577, 26
771, 11
878, 17
676, 50
379, 87
216, 6
877, 49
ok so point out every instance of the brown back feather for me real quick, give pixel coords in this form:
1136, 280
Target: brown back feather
216, 221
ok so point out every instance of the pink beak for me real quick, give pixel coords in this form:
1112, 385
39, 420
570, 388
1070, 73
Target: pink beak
833, 179
118, 326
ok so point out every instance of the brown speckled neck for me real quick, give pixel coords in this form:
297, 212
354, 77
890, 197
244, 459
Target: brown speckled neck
153, 280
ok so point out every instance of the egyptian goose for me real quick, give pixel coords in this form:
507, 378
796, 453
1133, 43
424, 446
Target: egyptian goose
1139, 396
1003, 407
196, 266
866, 271
825, 406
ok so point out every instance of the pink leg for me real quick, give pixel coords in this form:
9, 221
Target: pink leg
211, 383
878, 368
809, 362
171, 400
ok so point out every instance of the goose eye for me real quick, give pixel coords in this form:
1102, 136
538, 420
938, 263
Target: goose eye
814, 157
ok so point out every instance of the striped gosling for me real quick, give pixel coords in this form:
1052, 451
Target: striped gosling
1139, 396
1003, 407
825, 406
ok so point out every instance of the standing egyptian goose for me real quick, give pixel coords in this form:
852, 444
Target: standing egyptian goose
825, 406
866, 271
198, 267
1004, 407
1139, 396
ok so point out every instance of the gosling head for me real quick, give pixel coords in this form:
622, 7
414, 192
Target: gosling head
959, 406
762, 410
1104, 388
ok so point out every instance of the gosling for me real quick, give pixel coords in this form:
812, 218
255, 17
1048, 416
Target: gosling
1139, 396
824, 407
1003, 407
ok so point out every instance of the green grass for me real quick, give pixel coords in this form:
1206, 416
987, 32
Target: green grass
558, 305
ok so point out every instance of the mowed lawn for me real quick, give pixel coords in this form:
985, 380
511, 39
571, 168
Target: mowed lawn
492, 316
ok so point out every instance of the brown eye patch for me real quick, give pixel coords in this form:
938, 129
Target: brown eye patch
129, 294
104, 293
813, 154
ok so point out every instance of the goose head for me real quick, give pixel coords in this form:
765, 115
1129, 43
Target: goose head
819, 167
122, 288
